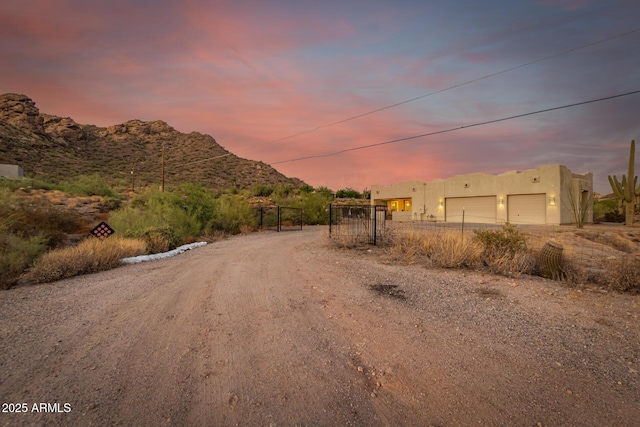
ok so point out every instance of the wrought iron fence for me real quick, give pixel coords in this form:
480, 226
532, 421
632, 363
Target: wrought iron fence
289, 218
267, 217
360, 222
279, 218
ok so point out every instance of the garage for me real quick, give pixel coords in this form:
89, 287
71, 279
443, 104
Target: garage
476, 209
526, 208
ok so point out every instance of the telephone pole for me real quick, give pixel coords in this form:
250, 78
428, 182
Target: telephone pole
162, 185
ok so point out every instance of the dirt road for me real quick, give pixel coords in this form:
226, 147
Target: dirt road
276, 329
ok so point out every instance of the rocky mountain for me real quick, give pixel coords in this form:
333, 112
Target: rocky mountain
59, 148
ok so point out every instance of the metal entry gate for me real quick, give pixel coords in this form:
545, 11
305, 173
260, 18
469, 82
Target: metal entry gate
279, 218
360, 222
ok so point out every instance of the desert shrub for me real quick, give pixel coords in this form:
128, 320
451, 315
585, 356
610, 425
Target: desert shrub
90, 256
444, 249
347, 241
162, 228
17, 254
40, 219
623, 274
176, 217
26, 184
603, 207
283, 190
449, 249
305, 188
89, 185
199, 202
231, 212
262, 190
111, 203
161, 218
157, 238
505, 251
315, 208
247, 229
314, 205
615, 241
614, 217
348, 193
506, 240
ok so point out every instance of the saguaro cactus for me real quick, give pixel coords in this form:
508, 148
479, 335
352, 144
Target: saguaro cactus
627, 189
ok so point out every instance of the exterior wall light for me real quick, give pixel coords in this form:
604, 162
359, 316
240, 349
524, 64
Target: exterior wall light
552, 201
441, 205
501, 201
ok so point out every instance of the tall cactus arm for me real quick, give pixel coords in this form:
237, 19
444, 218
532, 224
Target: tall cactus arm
631, 175
632, 158
618, 189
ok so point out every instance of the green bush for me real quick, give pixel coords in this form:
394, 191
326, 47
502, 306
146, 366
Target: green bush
157, 214
262, 190
283, 191
157, 239
505, 251
614, 216
36, 183
506, 240
16, 254
180, 216
89, 185
32, 218
316, 208
348, 193
306, 188
231, 213
603, 208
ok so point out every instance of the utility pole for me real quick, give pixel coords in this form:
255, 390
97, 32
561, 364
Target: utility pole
162, 185
133, 182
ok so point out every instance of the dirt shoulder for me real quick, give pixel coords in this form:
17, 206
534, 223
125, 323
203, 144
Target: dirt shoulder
278, 329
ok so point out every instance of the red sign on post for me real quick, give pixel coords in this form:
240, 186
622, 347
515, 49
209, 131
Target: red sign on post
102, 230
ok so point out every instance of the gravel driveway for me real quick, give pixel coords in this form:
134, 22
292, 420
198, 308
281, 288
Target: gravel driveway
277, 329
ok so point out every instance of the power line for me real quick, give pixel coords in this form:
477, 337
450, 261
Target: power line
357, 116
362, 147
555, 55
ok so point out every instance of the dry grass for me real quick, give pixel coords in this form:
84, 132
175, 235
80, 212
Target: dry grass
90, 256
617, 241
248, 229
446, 248
513, 265
346, 241
624, 274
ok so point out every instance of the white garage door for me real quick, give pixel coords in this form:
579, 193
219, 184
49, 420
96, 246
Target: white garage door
527, 209
476, 209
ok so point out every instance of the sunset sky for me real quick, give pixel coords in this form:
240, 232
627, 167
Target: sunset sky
270, 79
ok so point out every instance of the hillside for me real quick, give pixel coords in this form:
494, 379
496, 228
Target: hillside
59, 148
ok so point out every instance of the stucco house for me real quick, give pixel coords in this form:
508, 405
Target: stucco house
549, 194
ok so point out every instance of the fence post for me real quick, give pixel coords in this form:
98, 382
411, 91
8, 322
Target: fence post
375, 225
278, 227
330, 217
463, 223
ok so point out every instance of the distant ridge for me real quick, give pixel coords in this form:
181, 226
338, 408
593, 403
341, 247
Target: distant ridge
59, 148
